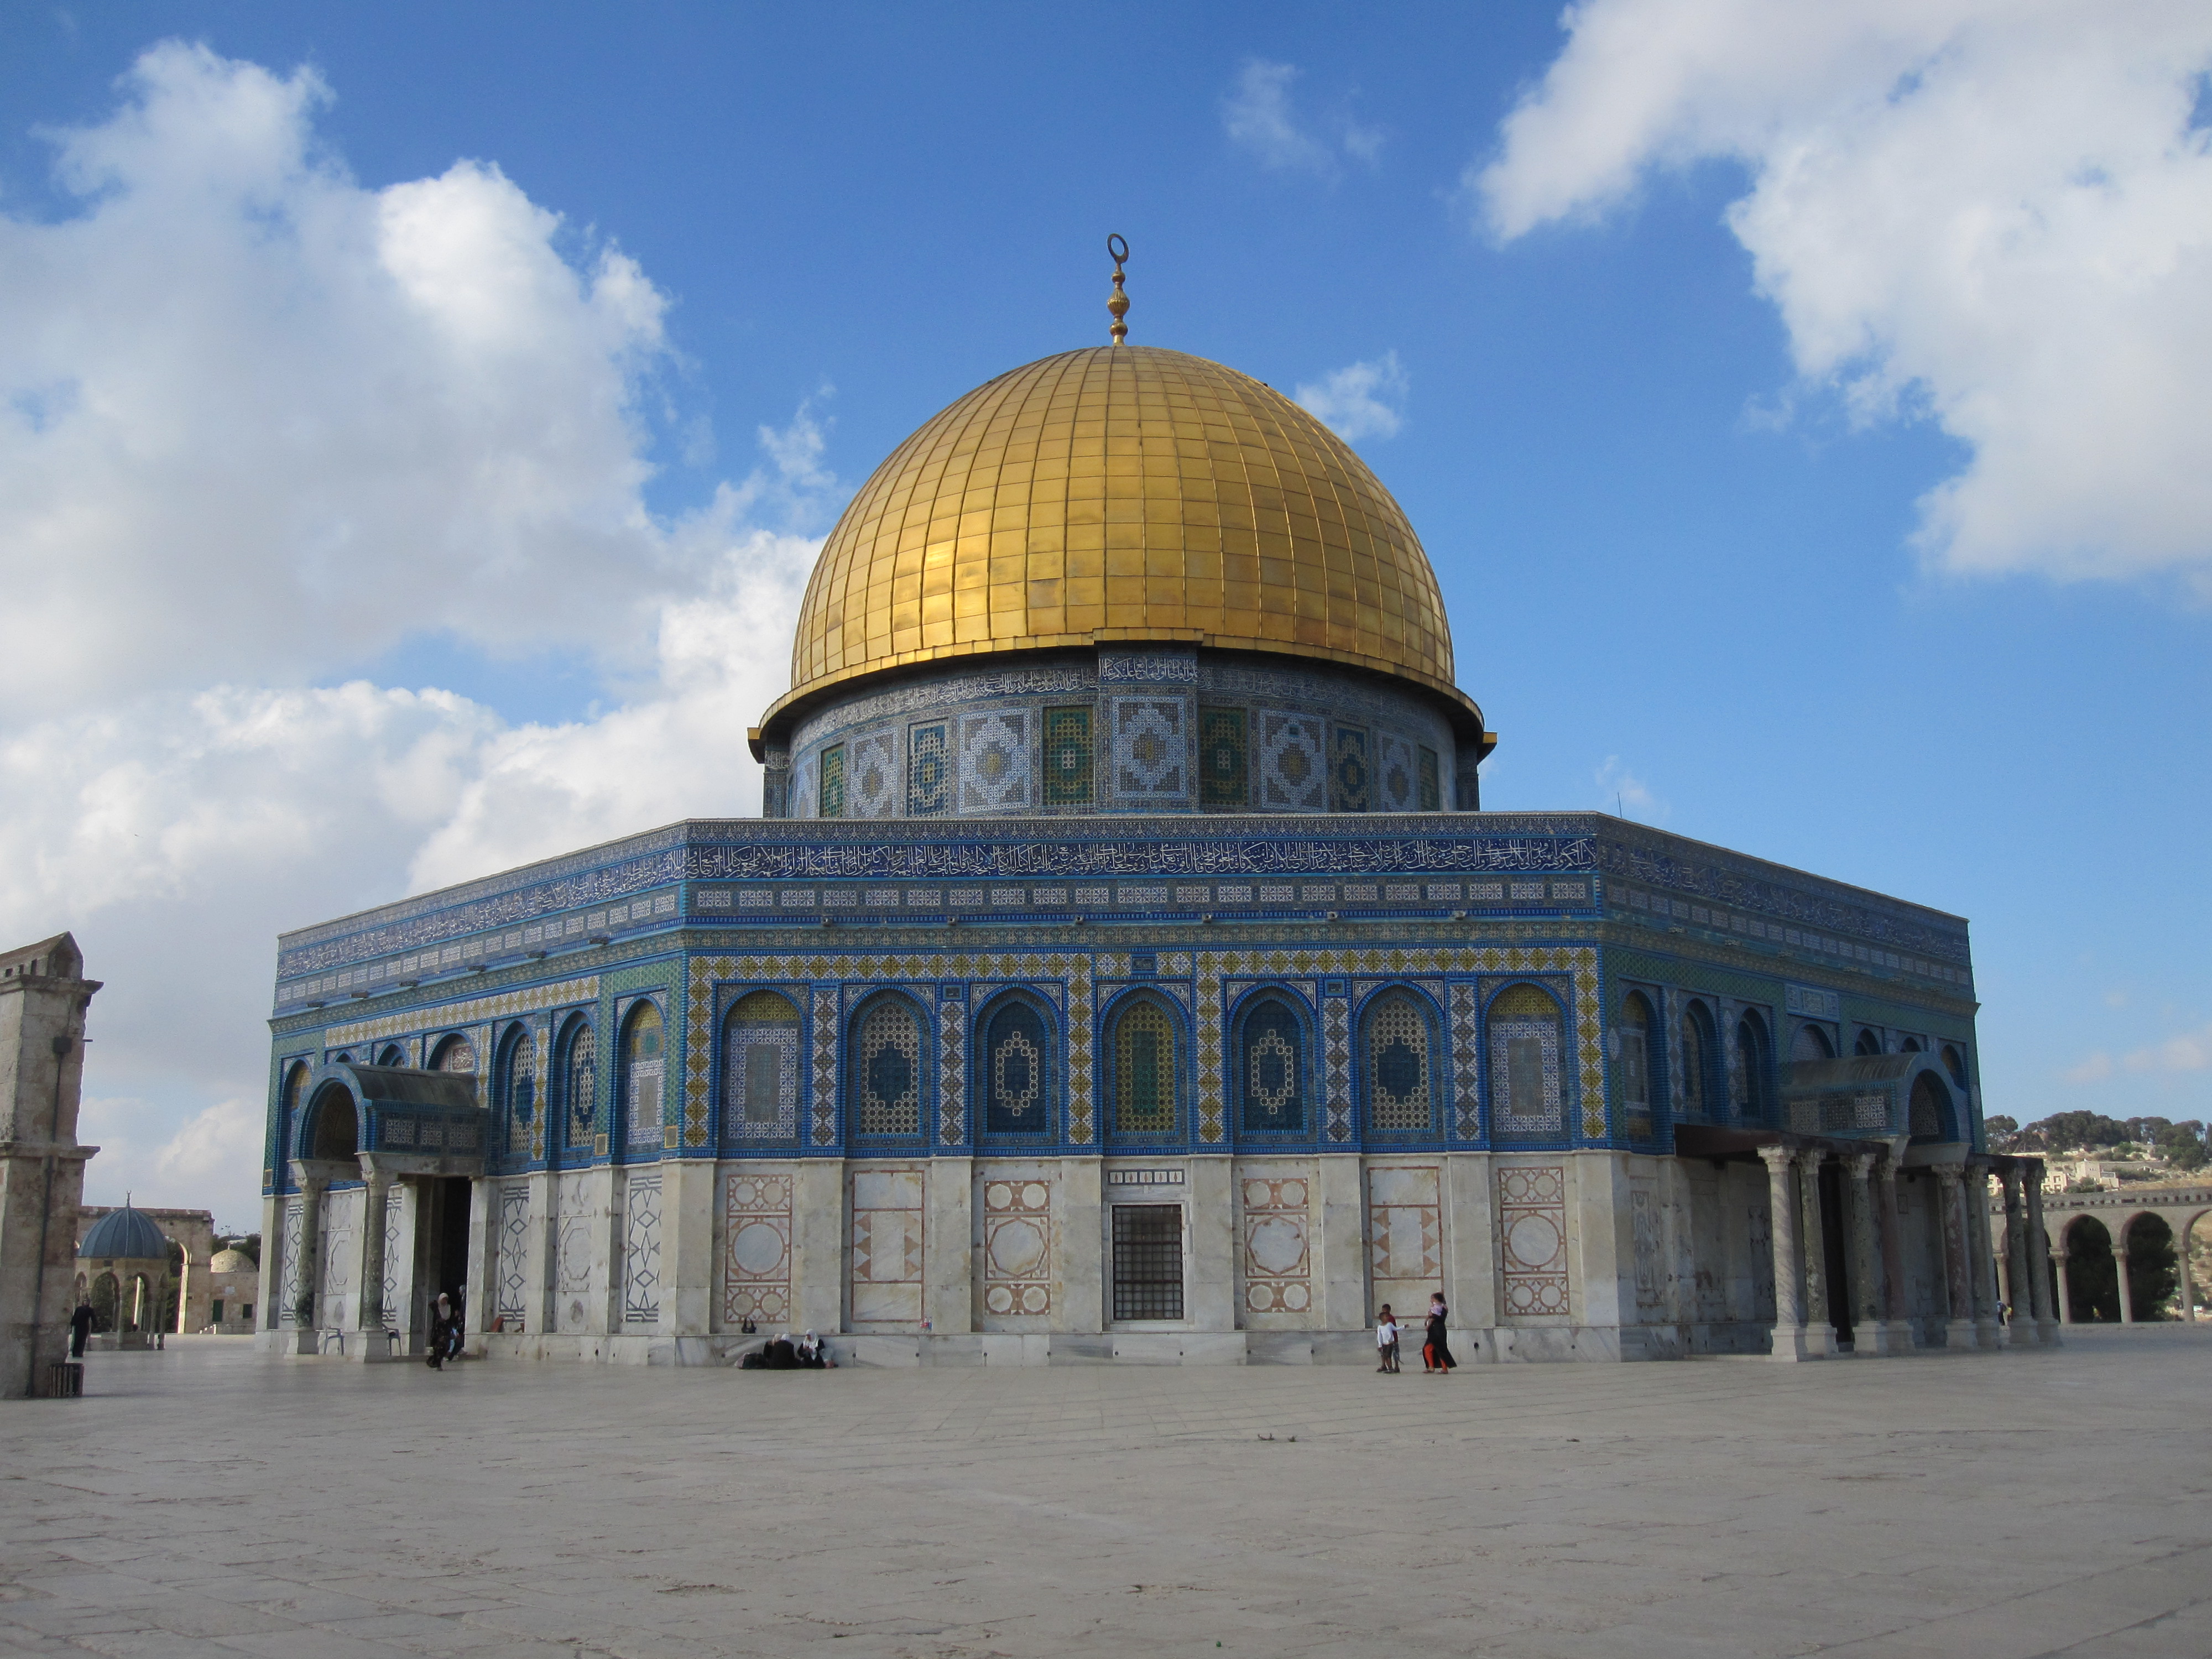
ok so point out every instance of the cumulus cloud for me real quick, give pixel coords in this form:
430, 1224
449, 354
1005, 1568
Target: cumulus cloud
1360, 400
255, 422
251, 411
2185, 1052
1260, 119
1996, 214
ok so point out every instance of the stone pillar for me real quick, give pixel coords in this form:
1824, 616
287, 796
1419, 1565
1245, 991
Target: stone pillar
688, 1267
1981, 1256
821, 1232
1897, 1323
948, 1291
1870, 1332
481, 1287
1958, 1256
2065, 1286
1820, 1339
1080, 1242
2120, 1273
1789, 1334
2023, 1328
309, 1277
1209, 1295
2188, 1288
2038, 1249
368, 1340
1341, 1261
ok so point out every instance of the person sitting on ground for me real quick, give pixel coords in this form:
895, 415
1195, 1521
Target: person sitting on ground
780, 1355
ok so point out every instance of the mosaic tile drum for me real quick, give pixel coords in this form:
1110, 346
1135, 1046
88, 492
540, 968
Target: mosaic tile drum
1123, 969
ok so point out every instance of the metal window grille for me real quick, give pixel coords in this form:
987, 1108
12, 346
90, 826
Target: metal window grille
1148, 1261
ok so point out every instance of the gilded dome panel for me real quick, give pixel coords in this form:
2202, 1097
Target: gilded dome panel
1121, 493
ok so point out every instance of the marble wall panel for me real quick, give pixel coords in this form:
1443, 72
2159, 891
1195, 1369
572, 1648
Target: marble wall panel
1405, 1230
1016, 1228
887, 1240
642, 1248
1532, 1238
1276, 1210
755, 1246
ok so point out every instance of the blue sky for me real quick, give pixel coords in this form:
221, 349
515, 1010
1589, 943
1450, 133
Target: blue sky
1669, 401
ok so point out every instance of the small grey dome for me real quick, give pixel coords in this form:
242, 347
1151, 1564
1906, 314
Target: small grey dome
231, 1261
127, 1234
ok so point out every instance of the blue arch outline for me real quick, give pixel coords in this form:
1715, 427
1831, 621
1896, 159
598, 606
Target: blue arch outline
733, 992
1106, 1077
979, 1017
1570, 1080
1309, 1102
849, 1075
618, 1147
1439, 1065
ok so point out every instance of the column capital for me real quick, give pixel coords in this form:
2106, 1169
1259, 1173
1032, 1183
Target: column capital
1862, 1163
1777, 1159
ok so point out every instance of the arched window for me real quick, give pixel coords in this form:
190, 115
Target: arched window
393, 1054
518, 1088
1927, 1111
1753, 1068
1700, 1048
1527, 1098
1273, 1055
1868, 1042
760, 1068
1910, 1046
287, 1120
1016, 1074
454, 1054
1399, 1055
1811, 1042
886, 1056
1954, 1062
336, 1125
1636, 1068
640, 1080
576, 1076
1140, 1046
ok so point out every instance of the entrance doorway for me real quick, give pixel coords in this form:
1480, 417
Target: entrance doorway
441, 1248
1837, 1262
1148, 1261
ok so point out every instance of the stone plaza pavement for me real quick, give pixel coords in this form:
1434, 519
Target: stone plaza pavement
208, 1502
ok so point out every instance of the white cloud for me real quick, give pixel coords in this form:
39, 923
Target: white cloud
1627, 794
251, 412
1360, 400
2192, 1051
254, 422
1258, 118
1996, 213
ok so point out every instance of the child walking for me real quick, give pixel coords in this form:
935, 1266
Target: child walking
1386, 1339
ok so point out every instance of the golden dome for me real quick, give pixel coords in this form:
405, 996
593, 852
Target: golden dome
1121, 493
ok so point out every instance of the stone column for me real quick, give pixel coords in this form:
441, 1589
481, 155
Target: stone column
2120, 1272
1958, 1271
2022, 1330
1789, 1332
2038, 1249
1820, 1339
2065, 1286
1870, 1332
1895, 1321
368, 1340
1981, 1255
2188, 1288
309, 1276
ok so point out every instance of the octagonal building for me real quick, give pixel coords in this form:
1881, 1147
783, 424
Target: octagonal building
1123, 969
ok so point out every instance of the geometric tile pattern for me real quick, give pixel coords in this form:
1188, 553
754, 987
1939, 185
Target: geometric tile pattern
833, 782
1397, 1070
952, 1060
995, 761
1466, 1067
1532, 1238
1150, 748
1016, 1247
572, 1252
755, 1246
1225, 759
1336, 1068
1525, 1094
874, 791
1405, 1230
887, 1246
1395, 789
641, 1249
929, 772
825, 1056
513, 1271
504, 1005
1278, 1260
1351, 777
1067, 757
1429, 794
1293, 773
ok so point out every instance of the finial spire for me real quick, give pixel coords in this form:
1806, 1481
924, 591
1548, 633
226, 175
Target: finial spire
1118, 302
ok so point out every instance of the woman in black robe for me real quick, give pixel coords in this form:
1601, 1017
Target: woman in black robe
1436, 1344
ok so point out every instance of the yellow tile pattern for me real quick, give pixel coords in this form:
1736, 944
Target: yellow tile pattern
1125, 493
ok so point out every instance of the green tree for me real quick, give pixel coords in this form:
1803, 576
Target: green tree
2002, 1132
2065, 1132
